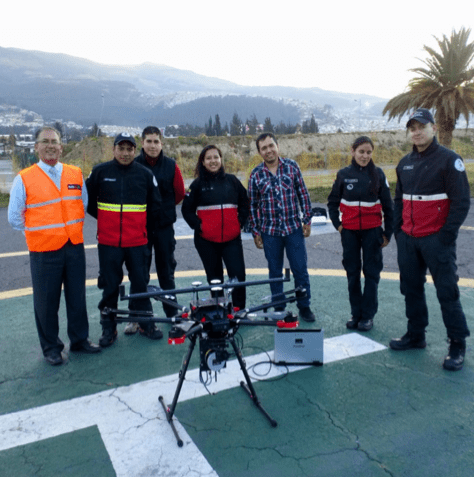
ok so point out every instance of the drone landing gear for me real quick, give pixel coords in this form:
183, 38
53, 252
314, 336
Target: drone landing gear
247, 386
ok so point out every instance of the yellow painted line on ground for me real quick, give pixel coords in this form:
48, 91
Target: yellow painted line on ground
87, 247
182, 237
463, 282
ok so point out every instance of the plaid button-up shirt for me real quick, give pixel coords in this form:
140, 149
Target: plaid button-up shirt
278, 203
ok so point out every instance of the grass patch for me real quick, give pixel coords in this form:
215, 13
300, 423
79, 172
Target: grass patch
4, 198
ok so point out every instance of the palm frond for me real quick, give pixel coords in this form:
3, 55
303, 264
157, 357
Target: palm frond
445, 82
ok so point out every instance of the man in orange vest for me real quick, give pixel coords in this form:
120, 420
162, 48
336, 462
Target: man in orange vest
47, 203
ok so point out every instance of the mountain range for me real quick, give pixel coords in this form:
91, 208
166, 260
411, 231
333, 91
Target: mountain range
63, 87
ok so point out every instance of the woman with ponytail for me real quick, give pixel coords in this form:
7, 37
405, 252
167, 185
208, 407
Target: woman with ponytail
360, 197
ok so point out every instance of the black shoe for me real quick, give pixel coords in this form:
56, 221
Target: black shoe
365, 325
85, 347
408, 341
307, 315
151, 332
455, 359
109, 335
352, 323
54, 359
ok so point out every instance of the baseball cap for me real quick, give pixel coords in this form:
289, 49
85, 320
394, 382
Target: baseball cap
125, 137
421, 115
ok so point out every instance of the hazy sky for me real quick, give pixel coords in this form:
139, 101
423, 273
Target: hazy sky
366, 47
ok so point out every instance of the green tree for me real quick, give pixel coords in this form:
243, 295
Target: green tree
217, 126
12, 140
445, 84
95, 131
268, 126
313, 125
235, 125
305, 127
209, 129
60, 127
280, 128
252, 124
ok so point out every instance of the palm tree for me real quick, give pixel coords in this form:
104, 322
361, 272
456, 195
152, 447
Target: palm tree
446, 85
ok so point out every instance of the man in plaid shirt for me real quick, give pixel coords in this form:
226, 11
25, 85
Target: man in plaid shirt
278, 196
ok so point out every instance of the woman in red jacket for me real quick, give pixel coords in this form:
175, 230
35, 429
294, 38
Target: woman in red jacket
216, 207
360, 194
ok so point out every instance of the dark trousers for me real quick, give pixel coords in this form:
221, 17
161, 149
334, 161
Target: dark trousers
49, 271
164, 243
415, 256
111, 261
363, 305
212, 254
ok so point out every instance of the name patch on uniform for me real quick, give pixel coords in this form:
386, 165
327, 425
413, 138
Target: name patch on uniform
74, 186
110, 179
408, 168
351, 180
459, 165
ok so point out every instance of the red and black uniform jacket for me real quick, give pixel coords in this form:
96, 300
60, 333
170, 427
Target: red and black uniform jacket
216, 206
432, 193
120, 198
360, 207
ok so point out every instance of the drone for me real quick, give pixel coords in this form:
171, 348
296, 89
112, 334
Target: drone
213, 321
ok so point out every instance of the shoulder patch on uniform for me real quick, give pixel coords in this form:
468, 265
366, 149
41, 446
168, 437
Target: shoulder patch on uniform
459, 165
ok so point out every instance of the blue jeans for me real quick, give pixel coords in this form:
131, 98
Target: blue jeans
274, 246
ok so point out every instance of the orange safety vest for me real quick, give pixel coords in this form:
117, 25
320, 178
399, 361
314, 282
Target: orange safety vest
53, 217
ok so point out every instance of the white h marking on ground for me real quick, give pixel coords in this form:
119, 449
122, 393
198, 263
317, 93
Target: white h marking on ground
132, 423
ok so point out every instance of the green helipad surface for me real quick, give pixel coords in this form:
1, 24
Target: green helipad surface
379, 413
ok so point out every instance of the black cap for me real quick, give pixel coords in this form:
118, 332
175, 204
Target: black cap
125, 137
421, 115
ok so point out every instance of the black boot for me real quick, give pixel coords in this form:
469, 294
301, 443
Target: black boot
352, 323
409, 340
365, 325
150, 331
109, 329
455, 359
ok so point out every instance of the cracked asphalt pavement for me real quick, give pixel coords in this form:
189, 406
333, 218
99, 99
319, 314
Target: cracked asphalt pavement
380, 413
